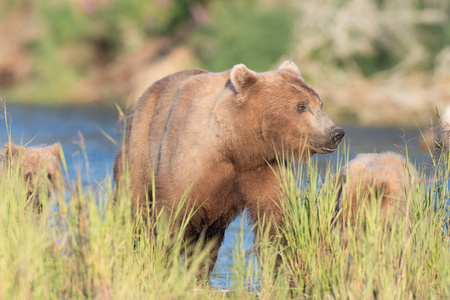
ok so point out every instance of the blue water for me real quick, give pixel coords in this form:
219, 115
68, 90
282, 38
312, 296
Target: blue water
43, 126
40, 126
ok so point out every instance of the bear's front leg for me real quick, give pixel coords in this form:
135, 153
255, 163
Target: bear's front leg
210, 236
261, 192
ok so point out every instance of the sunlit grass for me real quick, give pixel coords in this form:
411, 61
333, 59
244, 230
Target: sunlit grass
84, 246
397, 258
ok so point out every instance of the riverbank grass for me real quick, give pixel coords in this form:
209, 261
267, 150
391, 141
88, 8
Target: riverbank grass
82, 246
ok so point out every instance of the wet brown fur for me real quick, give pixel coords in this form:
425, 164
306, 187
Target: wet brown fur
218, 134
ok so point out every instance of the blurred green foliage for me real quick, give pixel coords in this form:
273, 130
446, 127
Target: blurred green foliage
373, 36
75, 39
244, 32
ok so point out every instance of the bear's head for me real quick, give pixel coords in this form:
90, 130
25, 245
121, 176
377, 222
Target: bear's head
41, 168
288, 112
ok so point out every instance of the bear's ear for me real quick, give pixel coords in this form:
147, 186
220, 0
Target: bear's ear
11, 150
291, 67
54, 149
242, 78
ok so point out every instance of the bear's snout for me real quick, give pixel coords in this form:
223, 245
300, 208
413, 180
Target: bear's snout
337, 135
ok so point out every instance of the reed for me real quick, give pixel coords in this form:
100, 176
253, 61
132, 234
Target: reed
82, 246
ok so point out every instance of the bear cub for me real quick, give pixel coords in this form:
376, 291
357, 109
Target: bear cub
41, 168
386, 175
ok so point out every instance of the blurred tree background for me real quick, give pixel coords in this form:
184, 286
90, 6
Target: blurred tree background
372, 61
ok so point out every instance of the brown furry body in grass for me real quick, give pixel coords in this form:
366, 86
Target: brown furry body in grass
386, 175
445, 123
38, 165
218, 134
437, 138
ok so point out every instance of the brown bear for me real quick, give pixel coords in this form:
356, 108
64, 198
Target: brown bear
218, 135
38, 165
386, 175
445, 123
437, 138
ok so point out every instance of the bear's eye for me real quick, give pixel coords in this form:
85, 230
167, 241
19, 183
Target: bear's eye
49, 176
301, 107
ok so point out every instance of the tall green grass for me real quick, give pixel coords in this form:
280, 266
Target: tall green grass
82, 246
403, 257
87, 247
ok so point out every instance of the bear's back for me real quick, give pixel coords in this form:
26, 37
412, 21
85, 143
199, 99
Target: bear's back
154, 107
162, 119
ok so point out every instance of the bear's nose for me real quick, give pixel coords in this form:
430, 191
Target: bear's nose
337, 135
